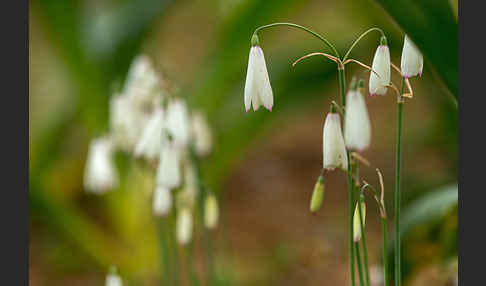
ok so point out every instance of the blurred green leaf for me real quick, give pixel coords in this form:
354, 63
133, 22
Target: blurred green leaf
433, 27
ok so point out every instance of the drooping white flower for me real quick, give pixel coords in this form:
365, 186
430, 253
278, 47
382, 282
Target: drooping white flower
162, 201
333, 148
412, 61
142, 80
152, 139
178, 123
211, 212
258, 90
203, 141
100, 174
113, 279
381, 65
357, 126
168, 170
184, 226
357, 222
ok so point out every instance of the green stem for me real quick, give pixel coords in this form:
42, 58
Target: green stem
359, 39
358, 262
302, 28
190, 263
385, 265
165, 259
363, 241
398, 278
174, 248
342, 89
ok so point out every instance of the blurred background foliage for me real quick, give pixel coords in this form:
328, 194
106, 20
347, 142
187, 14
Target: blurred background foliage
264, 164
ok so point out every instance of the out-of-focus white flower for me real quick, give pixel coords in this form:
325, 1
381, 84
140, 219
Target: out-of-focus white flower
126, 122
357, 222
381, 65
142, 80
357, 126
184, 226
162, 201
100, 174
258, 90
112, 278
333, 148
211, 212
203, 141
412, 60
169, 168
376, 275
178, 123
153, 138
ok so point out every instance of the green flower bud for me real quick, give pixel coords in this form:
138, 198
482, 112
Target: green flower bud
356, 221
317, 195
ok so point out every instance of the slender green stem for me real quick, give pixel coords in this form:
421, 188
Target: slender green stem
174, 249
359, 39
398, 274
342, 90
302, 28
165, 259
385, 265
363, 241
190, 263
358, 263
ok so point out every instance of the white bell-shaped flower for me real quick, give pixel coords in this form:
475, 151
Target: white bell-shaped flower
203, 140
112, 278
357, 126
357, 221
333, 148
162, 201
178, 123
169, 168
125, 122
257, 86
100, 174
211, 212
152, 139
381, 65
412, 60
142, 81
184, 225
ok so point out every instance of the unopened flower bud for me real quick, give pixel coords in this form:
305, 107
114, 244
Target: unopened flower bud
162, 201
184, 226
112, 278
380, 76
412, 61
333, 148
317, 195
203, 141
211, 212
357, 222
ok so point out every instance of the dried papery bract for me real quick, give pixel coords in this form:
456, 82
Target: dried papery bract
258, 90
152, 139
168, 170
184, 225
333, 148
357, 126
162, 201
112, 278
211, 211
357, 222
178, 123
317, 195
203, 141
412, 61
100, 174
381, 65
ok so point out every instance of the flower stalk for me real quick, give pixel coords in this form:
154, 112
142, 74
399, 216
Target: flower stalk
398, 278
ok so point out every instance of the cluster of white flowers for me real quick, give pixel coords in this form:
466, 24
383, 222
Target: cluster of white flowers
148, 122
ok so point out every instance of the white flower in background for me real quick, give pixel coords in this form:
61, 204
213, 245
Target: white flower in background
178, 123
142, 80
357, 126
333, 148
357, 222
112, 279
191, 186
184, 226
211, 212
168, 170
412, 60
381, 65
100, 174
162, 201
153, 137
257, 86
203, 141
